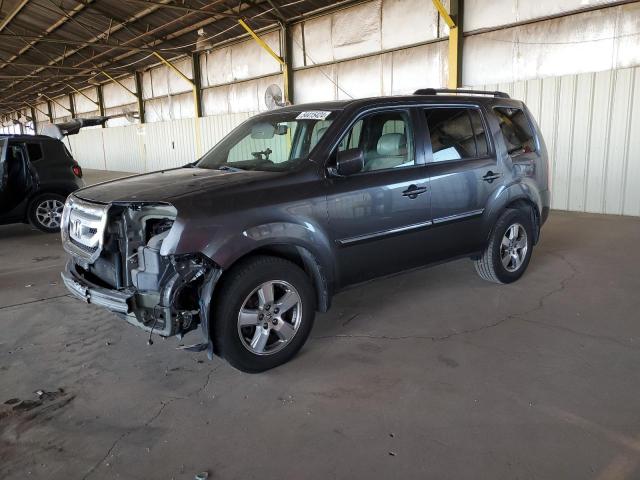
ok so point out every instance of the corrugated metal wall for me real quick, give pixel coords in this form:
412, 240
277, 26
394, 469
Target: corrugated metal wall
152, 146
591, 125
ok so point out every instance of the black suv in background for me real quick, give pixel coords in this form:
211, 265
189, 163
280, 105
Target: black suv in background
37, 173
296, 204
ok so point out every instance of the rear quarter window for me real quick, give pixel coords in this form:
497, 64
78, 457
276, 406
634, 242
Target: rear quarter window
516, 130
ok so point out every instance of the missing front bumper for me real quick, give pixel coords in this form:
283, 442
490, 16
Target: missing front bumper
114, 300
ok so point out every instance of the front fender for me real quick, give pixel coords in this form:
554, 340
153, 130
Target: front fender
225, 244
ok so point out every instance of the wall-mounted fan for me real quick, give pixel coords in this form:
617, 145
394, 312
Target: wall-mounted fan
273, 97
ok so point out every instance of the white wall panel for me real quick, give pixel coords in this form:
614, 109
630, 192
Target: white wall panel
169, 144
484, 13
125, 110
419, 67
83, 104
405, 22
177, 84
618, 141
318, 42
315, 84
115, 95
243, 97
591, 126
124, 148
147, 85
628, 52
398, 72
159, 81
169, 107
249, 60
41, 109
631, 187
296, 47
586, 42
218, 67
215, 100
182, 106
360, 78
356, 30
57, 108
157, 110
87, 148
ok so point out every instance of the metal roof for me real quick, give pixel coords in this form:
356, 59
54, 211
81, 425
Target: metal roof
47, 46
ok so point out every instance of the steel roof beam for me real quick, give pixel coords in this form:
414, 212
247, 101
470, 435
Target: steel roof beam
12, 14
171, 36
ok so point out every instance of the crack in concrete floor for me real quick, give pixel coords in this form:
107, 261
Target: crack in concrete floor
163, 404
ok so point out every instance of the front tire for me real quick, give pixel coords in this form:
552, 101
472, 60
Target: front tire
263, 313
509, 250
45, 212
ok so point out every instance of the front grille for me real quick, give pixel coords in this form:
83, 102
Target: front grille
84, 247
83, 225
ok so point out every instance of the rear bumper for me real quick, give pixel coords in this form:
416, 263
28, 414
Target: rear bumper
114, 300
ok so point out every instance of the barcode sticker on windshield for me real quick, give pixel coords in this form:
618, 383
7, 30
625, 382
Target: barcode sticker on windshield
313, 115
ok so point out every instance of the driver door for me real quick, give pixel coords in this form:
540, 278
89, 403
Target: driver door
379, 218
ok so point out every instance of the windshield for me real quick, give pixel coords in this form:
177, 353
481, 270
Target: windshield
277, 142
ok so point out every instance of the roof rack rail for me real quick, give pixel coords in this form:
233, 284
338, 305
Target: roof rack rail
435, 91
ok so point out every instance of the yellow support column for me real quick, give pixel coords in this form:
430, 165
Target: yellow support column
455, 39
269, 50
452, 81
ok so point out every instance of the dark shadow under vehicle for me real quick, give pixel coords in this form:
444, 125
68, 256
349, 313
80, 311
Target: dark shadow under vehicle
296, 204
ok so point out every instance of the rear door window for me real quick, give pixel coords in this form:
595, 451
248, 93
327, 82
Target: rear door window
516, 130
34, 151
456, 133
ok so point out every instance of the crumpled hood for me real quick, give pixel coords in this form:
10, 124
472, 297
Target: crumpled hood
166, 185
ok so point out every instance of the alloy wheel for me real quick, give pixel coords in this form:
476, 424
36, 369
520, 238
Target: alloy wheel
513, 248
49, 213
270, 317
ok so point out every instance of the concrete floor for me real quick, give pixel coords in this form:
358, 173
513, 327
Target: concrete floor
432, 374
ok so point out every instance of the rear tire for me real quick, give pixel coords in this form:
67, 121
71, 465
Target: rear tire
263, 313
509, 250
45, 212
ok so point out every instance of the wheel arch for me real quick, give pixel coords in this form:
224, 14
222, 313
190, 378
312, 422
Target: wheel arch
518, 197
319, 275
39, 193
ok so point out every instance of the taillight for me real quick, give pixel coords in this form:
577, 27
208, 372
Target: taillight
77, 171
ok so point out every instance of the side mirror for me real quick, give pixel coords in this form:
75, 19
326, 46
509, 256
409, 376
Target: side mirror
349, 162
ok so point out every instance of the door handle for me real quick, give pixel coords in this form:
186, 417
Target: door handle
490, 176
413, 191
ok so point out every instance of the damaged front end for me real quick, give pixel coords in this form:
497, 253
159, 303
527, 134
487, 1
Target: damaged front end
116, 262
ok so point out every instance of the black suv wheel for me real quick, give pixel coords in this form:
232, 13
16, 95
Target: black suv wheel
45, 212
263, 313
509, 250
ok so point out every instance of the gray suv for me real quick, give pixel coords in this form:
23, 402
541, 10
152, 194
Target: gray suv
294, 205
